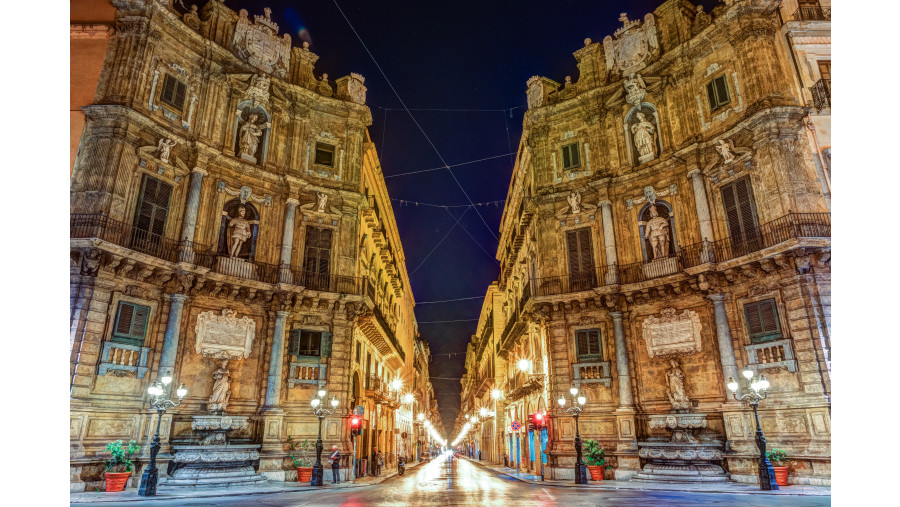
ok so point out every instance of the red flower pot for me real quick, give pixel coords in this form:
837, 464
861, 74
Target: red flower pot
115, 481
304, 474
596, 472
781, 474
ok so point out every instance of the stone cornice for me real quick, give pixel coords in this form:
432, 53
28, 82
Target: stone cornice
91, 31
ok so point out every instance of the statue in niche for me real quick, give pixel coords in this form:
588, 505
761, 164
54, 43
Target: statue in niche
675, 383
657, 232
574, 200
321, 200
238, 231
164, 149
726, 149
701, 21
644, 140
191, 18
250, 133
218, 400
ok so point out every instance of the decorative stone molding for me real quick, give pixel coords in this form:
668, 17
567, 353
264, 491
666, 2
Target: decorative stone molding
244, 194
224, 336
681, 453
633, 46
672, 334
650, 195
258, 44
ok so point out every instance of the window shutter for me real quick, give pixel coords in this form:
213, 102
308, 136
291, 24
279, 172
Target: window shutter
594, 341
582, 340
168, 93
753, 323
762, 321
180, 90
768, 316
294, 342
139, 326
576, 156
572, 243
124, 319
587, 257
745, 207
737, 199
711, 95
566, 157
721, 90
326, 345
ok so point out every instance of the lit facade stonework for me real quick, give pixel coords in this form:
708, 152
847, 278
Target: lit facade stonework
222, 204
668, 224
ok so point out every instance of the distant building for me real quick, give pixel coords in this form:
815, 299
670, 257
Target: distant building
672, 203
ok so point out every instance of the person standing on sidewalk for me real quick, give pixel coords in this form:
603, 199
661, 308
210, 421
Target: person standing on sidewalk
335, 460
373, 463
379, 463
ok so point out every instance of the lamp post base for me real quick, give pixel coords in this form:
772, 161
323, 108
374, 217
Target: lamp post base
767, 476
151, 476
317, 472
581, 474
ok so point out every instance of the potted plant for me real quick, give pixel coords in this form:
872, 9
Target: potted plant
119, 467
594, 459
779, 459
303, 461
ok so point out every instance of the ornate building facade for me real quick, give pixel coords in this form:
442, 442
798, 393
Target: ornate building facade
230, 228
667, 225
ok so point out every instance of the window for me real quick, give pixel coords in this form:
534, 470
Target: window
316, 265
581, 259
762, 321
587, 342
131, 324
325, 154
150, 214
358, 351
173, 92
571, 157
740, 213
824, 69
309, 343
717, 92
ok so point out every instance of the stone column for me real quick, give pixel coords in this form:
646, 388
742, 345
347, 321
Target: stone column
723, 333
189, 223
703, 217
626, 399
173, 331
287, 240
628, 461
609, 241
273, 388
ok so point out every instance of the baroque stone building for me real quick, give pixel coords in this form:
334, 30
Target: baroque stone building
668, 224
230, 227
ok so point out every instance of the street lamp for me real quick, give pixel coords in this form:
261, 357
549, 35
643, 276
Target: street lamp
159, 399
578, 401
320, 411
758, 387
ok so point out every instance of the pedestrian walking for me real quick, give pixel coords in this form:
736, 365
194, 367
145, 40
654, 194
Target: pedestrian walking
373, 462
335, 460
379, 464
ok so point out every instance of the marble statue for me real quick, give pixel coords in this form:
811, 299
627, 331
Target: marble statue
644, 141
250, 134
635, 89
164, 149
675, 383
239, 232
218, 400
321, 200
574, 202
657, 231
726, 149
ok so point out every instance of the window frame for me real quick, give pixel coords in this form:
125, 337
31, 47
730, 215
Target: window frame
589, 357
179, 86
712, 92
570, 150
130, 338
763, 336
324, 148
300, 332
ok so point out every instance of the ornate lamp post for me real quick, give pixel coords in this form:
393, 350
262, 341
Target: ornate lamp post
758, 387
320, 411
159, 399
576, 409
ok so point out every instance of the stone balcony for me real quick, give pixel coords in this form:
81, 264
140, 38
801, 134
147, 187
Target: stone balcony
773, 354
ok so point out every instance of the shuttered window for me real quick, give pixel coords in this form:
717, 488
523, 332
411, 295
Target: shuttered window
325, 154
173, 92
130, 326
762, 321
740, 213
571, 157
151, 213
717, 93
581, 259
316, 265
587, 342
306, 343
824, 69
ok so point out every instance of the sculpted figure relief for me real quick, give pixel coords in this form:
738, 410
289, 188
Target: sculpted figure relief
635, 89
574, 200
644, 140
701, 21
321, 200
675, 382
239, 232
218, 401
164, 149
191, 18
726, 150
250, 133
657, 231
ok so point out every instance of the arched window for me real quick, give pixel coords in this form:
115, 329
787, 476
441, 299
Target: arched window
239, 229
664, 211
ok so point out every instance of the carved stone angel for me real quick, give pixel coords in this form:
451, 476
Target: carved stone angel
164, 149
574, 200
321, 200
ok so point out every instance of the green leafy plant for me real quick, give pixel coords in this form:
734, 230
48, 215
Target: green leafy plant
121, 456
594, 455
302, 452
778, 457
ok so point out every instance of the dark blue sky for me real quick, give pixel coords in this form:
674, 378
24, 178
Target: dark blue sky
455, 54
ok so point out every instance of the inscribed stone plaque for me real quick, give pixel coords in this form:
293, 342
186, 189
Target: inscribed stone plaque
224, 336
671, 334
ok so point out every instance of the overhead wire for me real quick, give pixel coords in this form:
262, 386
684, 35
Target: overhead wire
463, 227
447, 300
441, 241
386, 176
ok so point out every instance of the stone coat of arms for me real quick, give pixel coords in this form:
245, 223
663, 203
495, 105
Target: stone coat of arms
258, 44
633, 46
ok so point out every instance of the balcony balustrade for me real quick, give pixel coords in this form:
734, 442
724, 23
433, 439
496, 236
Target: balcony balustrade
120, 357
306, 373
773, 354
821, 94
592, 373
812, 13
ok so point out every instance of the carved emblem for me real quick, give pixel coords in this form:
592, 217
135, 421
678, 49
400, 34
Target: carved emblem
224, 336
259, 90
671, 334
650, 195
632, 46
258, 44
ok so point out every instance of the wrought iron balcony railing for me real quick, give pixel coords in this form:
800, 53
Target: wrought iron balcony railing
812, 13
821, 94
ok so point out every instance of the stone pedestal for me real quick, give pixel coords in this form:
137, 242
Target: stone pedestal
685, 457
214, 466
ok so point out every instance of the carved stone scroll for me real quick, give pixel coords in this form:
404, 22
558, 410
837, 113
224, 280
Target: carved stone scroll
224, 336
671, 334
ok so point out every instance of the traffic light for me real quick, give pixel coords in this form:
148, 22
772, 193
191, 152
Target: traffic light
540, 419
355, 425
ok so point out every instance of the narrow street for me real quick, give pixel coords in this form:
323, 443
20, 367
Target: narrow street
441, 482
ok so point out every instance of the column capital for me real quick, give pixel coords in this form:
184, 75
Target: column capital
181, 298
201, 172
616, 314
282, 314
293, 201
693, 172
716, 298
604, 202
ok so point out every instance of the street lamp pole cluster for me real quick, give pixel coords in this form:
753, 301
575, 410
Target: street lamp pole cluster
578, 401
320, 411
160, 400
758, 390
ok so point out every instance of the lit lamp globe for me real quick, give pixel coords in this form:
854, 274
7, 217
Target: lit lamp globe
581, 400
483, 412
748, 373
181, 391
166, 379
561, 401
315, 402
495, 393
523, 365
407, 398
732, 385
763, 382
574, 391
334, 402
321, 393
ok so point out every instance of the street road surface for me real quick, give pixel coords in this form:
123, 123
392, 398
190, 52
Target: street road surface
442, 482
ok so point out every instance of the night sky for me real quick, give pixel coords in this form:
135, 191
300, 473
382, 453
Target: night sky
469, 60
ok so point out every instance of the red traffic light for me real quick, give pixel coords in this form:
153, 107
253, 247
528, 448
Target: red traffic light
539, 418
356, 425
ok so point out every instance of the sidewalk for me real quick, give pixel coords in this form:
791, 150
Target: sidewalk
609, 485
164, 493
